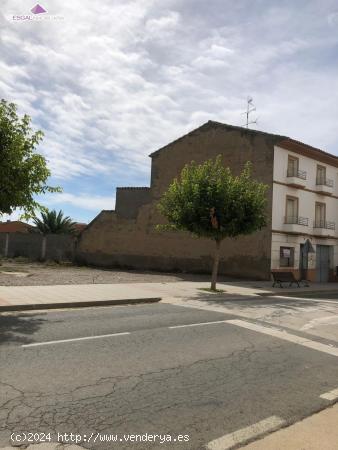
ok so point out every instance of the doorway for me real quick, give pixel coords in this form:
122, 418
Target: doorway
322, 263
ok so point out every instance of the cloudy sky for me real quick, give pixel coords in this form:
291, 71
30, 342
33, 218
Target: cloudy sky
110, 81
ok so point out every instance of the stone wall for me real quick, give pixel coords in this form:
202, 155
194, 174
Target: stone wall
115, 240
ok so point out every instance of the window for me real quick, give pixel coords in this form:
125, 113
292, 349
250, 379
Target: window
287, 256
320, 215
291, 210
293, 166
321, 175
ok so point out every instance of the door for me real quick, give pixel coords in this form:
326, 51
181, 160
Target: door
322, 263
320, 215
291, 213
292, 166
321, 175
303, 262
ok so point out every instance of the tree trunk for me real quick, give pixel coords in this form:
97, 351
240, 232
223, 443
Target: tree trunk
215, 266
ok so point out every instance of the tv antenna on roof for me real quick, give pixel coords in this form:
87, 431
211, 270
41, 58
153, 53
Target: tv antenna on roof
249, 109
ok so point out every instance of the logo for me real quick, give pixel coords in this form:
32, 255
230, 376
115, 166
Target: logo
39, 14
38, 9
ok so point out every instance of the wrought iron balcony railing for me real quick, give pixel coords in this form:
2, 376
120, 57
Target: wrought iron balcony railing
296, 220
324, 224
321, 181
297, 173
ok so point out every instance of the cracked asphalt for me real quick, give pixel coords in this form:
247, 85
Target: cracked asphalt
202, 381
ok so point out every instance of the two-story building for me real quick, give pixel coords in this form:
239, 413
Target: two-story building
305, 212
302, 210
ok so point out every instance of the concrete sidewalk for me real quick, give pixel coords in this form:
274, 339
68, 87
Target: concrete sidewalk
61, 296
317, 432
58, 296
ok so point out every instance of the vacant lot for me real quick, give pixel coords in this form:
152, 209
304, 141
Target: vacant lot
18, 272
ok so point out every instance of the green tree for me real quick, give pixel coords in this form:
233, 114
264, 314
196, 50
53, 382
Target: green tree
53, 222
209, 201
23, 173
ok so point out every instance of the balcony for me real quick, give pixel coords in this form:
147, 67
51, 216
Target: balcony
296, 178
324, 185
295, 224
324, 228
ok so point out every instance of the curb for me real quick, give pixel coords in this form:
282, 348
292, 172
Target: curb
82, 304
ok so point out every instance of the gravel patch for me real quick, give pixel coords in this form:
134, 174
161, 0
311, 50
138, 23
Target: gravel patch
14, 273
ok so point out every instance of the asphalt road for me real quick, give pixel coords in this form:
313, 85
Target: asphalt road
203, 381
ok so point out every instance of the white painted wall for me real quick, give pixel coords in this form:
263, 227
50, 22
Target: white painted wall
306, 203
305, 163
306, 207
307, 199
284, 240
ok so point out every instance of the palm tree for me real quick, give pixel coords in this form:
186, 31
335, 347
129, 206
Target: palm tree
52, 222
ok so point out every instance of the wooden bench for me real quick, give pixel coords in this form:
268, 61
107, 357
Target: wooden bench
286, 277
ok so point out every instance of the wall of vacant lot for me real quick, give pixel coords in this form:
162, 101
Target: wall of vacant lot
113, 240
58, 247
130, 199
120, 243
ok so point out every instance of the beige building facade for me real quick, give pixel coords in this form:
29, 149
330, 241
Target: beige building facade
127, 236
305, 213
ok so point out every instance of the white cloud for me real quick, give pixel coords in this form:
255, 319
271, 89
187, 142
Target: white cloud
333, 18
89, 202
117, 80
14, 216
162, 27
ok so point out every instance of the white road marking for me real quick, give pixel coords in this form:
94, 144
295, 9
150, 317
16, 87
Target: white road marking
197, 324
314, 345
331, 395
244, 434
74, 340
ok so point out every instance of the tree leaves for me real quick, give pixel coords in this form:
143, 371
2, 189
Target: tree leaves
52, 222
23, 173
240, 201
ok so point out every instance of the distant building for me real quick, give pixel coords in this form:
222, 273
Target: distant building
79, 227
16, 226
302, 210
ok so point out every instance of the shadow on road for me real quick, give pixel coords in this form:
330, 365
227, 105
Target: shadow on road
17, 328
235, 301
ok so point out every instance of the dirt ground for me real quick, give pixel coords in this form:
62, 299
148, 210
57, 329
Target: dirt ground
20, 272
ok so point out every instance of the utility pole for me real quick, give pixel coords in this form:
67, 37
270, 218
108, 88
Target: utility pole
249, 109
